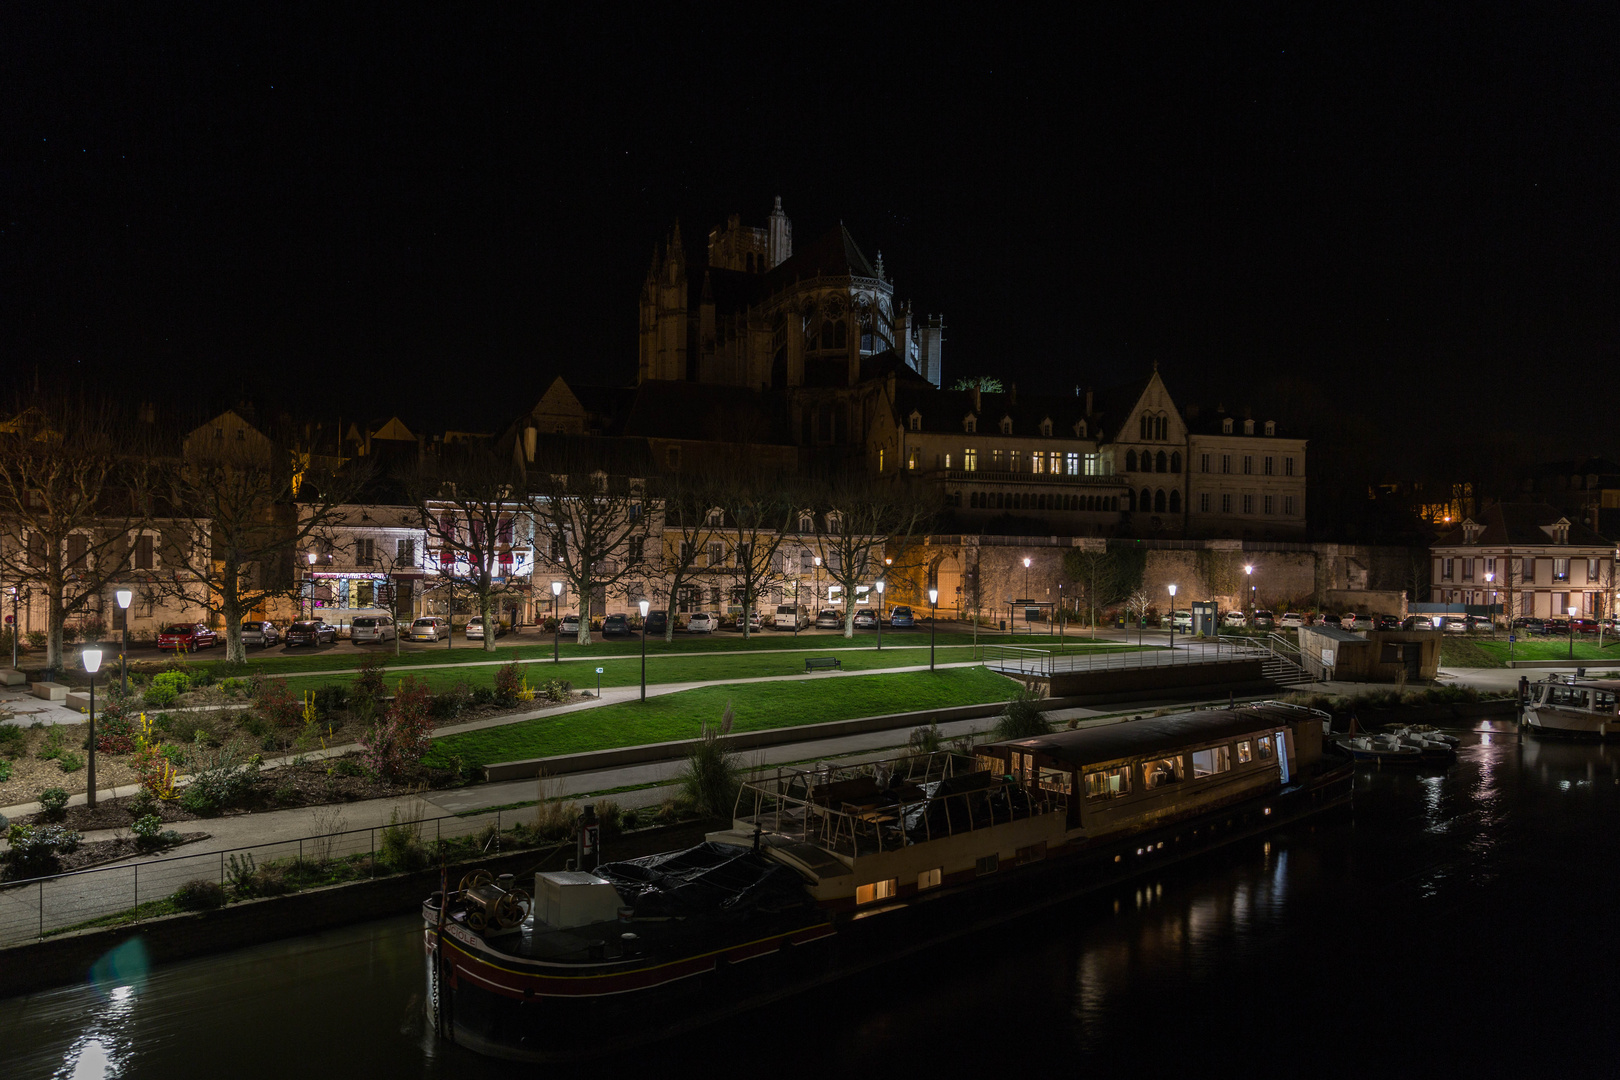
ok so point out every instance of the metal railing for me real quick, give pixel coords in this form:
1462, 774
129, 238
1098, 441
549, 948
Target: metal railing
1024, 660
37, 907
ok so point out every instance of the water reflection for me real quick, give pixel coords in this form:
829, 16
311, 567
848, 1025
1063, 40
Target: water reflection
1458, 920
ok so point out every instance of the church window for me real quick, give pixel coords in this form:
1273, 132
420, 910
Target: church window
1142, 426
1175, 502
880, 459
970, 459
1158, 501
1175, 462
1160, 462
1146, 500
1130, 461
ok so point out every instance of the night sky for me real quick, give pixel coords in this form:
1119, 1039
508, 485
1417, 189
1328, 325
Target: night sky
1407, 214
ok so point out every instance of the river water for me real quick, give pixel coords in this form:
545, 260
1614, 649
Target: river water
1455, 923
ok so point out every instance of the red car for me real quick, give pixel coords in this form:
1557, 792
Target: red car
187, 637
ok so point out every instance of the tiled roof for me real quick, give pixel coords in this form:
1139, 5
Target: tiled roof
1520, 524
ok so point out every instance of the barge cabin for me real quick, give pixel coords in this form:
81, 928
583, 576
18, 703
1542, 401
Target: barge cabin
1566, 707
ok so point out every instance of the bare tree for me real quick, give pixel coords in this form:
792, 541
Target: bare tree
75, 488
253, 506
859, 521
596, 526
757, 510
691, 521
468, 501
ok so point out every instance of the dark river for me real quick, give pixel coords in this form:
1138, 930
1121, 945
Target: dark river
1464, 923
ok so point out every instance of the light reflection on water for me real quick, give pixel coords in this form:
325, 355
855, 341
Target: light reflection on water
1461, 920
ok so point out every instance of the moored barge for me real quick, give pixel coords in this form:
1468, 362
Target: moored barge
1569, 707
824, 873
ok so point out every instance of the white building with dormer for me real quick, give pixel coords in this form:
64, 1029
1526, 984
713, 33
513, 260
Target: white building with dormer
1530, 560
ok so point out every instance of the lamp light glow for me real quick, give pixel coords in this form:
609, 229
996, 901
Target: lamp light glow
124, 596
92, 659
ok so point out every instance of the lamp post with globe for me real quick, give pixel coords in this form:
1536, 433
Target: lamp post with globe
124, 596
880, 586
556, 623
92, 663
644, 606
1172, 622
933, 609
1248, 575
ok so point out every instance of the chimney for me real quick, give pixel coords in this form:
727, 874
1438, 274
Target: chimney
1012, 393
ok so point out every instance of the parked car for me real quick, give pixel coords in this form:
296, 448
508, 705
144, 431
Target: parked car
261, 633
1330, 620
1386, 622
569, 625
900, 615
1351, 621
1580, 626
1234, 618
428, 628
657, 622
828, 619
866, 619
791, 616
475, 629
1454, 624
1264, 620
702, 623
369, 628
1527, 625
187, 637
311, 632
1181, 620
1480, 622
1418, 622
616, 626
1292, 619
754, 621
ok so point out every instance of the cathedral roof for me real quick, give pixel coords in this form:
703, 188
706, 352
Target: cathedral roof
944, 410
705, 412
833, 254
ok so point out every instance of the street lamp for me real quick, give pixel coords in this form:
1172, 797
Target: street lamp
643, 605
816, 584
1172, 621
309, 583
1026, 592
1248, 570
933, 605
16, 627
92, 663
1490, 601
880, 586
556, 623
1572, 613
124, 596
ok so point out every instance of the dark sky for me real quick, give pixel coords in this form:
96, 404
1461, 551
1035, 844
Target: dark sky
433, 209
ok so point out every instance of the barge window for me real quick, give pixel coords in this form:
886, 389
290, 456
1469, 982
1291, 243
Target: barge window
877, 890
1567, 697
987, 865
1108, 783
1245, 752
1217, 759
1603, 700
1265, 747
1056, 780
1161, 772
928, 879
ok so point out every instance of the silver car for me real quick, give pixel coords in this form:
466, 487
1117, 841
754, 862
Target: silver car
261, 633
427, 628
372, 628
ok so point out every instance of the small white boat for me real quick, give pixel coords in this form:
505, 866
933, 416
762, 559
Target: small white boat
1434, 745
1384, 749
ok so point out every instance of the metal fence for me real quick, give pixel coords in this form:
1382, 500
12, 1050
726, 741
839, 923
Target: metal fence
36, 907
1024, 660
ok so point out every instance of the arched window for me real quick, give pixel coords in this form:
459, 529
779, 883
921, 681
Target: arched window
1158, 501
840, 335
1131, 497
1175, 502
1175, 462
1160, 462
1130, 461
1145, 501
1142, 423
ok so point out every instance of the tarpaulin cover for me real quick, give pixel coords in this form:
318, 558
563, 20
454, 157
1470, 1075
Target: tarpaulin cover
715, 880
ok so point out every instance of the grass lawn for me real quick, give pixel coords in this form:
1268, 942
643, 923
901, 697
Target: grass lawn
1465, 652
625, 669
280, 662
756, 707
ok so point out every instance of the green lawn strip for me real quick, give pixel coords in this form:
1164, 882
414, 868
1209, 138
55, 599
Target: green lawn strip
541, 649
756, 707
669, 668
1500, 651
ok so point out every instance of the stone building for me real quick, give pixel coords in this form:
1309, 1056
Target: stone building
1530, 559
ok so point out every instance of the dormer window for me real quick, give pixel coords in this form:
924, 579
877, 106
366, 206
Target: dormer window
1226, 426
1248, 427
1271, 427
1080, 429
1046, 427
970, 423
1006, 425
807, 522
1471, 530
915, 420
716, 517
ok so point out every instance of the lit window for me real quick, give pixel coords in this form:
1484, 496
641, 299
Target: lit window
877, 890
970, 459
1217, 759
929, 879
1074, 464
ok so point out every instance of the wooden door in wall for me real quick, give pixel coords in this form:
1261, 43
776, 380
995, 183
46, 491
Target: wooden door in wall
949, 580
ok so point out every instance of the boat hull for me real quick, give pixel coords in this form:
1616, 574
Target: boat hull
1552, 723
507, 1007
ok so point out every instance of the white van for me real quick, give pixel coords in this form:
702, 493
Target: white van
791, 617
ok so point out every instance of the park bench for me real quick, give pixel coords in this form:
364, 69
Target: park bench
816, 663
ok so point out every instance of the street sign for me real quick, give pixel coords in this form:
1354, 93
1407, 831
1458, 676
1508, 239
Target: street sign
1512, 638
